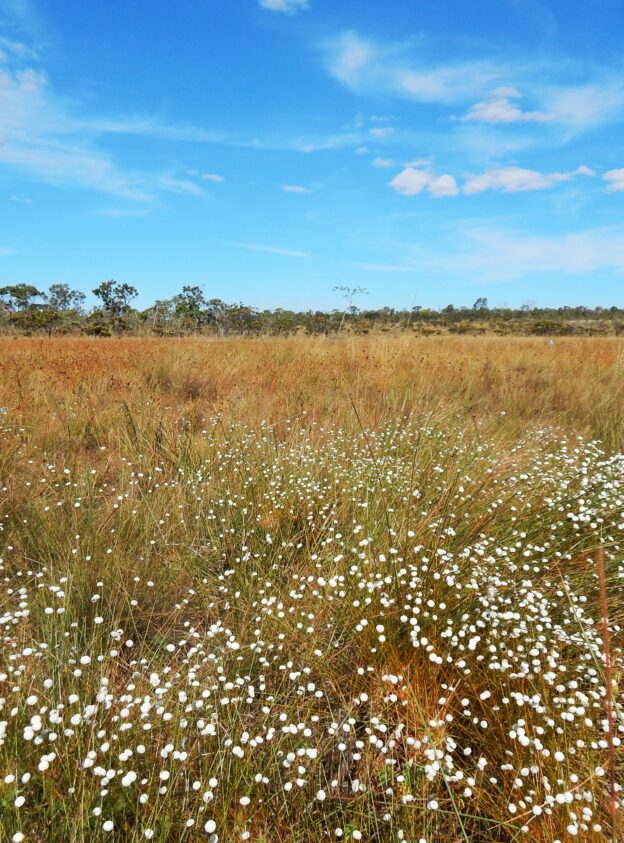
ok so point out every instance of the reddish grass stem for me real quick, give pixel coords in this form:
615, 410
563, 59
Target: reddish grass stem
604, 608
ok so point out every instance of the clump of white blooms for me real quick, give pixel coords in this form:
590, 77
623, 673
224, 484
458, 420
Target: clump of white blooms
389, 635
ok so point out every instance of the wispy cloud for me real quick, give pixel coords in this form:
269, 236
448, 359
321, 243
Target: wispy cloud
518, 179
382, 162
367, 66
295, 188
74, 165
20, 16
173, 184
215, 177
500, 108
45, 138
272, 250
289, 7
418, 162
614, 180
154, 127
11, 49
586, 106
122, 213
21, 200
39, 137
410, 182
380, 132
488, 86
383, 267
499, 255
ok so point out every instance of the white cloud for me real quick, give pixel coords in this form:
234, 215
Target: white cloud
418, 162
381, 131
153, 127
289, 7
41, 137
585, 106
382, 162
614, 180
21, 200
172, 184
407, 70
294, 188
46, 139
443, 186
518, 179
496, 255
72, 164
500, 108
215, 177
416, 179
371, 68
347, 57
410, 181
357, 122
272, 250
505, 256
10, 49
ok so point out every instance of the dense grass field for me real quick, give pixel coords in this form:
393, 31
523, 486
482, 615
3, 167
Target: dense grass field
311, 589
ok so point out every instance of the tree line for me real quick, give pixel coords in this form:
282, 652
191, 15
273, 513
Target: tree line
61, 310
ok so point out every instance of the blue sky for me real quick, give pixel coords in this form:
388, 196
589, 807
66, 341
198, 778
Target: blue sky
270, 150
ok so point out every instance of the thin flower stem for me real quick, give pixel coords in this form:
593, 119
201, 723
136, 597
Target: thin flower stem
604, 607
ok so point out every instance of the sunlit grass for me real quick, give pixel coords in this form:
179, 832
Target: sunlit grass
372, 614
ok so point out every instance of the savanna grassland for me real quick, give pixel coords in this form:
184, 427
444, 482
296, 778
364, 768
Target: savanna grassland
311, 589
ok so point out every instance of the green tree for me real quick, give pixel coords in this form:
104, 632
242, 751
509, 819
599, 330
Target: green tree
37, 319
19, 296
115, 297
162, 316
218, 313
62, 297
190, 306
280, 321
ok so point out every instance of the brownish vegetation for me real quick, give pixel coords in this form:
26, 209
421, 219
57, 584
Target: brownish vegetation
577, 384
309, 589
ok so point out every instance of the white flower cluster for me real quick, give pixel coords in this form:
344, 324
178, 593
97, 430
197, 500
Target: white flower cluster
387, 636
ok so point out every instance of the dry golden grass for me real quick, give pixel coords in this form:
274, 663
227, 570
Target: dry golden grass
577, 384
360, 529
